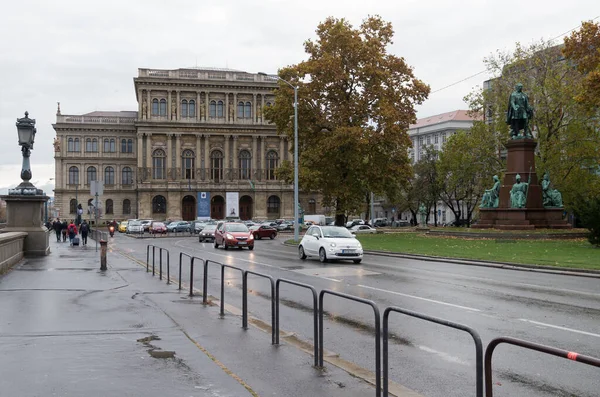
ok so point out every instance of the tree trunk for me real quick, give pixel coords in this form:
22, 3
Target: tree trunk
339, 214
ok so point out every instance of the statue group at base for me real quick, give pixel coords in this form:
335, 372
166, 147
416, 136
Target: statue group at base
550, 197
518, 193
491, 197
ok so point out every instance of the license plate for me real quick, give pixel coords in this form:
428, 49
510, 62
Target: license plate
242, 243
347, 251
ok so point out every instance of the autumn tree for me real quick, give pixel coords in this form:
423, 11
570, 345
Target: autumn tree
427, 181
567, 134
583, 48
355, 103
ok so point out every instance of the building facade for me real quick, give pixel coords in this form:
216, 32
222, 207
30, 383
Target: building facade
197, 147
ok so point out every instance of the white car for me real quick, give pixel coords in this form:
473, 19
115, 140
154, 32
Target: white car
135, 227
362, 229
330, 243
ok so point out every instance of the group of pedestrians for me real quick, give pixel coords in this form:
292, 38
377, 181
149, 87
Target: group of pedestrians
64, 229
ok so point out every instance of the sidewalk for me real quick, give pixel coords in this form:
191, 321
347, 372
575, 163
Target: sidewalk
67, 329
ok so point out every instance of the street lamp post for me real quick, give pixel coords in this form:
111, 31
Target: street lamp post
26, 130
296, 201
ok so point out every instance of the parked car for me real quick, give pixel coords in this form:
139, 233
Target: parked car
354, 222
233, 234
158, 228
178, 226
146, 223
362, 229
122, 226
207, 233
135, 227
330, 243
379, 222
197, 226
260, 231
284, 226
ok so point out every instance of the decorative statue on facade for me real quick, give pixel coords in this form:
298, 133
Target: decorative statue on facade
491, 197
56, 144
173, 109
422, 214
518, 193
202, 109
231, 111
550, 197
144, 109
519, 113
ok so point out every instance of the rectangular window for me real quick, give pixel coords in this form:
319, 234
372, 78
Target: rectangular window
435, 140
429, 139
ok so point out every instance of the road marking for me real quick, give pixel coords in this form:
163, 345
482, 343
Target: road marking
445, 356
559, 327
421, 298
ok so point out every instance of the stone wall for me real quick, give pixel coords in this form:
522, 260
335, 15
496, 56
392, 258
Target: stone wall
11, 249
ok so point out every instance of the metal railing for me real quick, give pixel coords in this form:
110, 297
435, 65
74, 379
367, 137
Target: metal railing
245, 301
472, 332
181, 255
489, 351
315, 315
160, 266
377, 332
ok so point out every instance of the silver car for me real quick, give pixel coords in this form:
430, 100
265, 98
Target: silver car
135, 227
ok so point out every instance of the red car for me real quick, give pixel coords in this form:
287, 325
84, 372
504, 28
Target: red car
157, 227
260, 231
233, 234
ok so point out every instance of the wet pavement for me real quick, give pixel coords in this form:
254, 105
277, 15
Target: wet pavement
68, 329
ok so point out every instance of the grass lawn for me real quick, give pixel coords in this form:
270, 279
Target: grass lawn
563, 253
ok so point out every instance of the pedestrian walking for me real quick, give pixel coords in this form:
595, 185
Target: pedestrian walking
84, 230
63, 230
57, 226
72, 230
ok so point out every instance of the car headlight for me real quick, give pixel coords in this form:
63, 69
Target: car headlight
229, 237
332, 244
251, 237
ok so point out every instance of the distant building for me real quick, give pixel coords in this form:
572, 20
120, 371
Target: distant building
198, 146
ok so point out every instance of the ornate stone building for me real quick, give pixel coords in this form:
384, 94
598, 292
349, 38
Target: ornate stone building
197, 147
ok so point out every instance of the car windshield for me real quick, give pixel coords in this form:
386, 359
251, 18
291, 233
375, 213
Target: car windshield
236, 227
158, 224
135, 223
336, 231
256, 227
209, 228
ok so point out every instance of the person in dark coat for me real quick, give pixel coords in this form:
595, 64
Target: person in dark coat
57, 226
84, 230
63, 230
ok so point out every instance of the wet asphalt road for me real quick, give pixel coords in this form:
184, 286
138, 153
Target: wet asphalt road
556, 310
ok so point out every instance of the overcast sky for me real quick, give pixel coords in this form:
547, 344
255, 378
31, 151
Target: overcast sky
85, 54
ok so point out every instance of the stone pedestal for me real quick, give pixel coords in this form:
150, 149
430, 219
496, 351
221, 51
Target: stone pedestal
521, 160
25, 213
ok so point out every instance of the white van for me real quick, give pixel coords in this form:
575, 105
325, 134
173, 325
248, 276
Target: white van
315, 219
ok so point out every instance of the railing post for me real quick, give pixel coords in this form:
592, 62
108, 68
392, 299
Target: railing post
192, 277
168, 268
160, 252
245, 300
222, 291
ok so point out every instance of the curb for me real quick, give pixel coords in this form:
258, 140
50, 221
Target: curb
589, 273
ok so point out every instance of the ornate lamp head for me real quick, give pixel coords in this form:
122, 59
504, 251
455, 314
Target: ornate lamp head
26, 129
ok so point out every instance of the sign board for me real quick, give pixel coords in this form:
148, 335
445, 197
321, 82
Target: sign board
232, 201
96, 187
203, 211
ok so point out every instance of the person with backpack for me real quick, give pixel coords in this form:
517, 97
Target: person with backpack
57, 226
84, 230
72, 230
63, 229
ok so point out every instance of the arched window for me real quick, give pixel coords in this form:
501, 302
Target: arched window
272, 163
273, 206
248, 110
126, 176
312, 206
192, 108
77, 146
159, 205
240, 110
184, 108
216, 165
109, 175
109, 206
187, 161
159, 164
70, 145
73, 175
220, 109
163, 107
155, 107
213, 109
72, 206
126, 207
245, 164
91, 174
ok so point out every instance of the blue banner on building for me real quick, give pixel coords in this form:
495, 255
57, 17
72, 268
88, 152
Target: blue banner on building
203, 205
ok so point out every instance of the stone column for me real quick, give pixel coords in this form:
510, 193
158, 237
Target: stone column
198, 112
281, 148
206, 115
235, 104
226, 164
149, 105
149, 151
170, 161
261, 157
178, 155
198, 157
254, 115
206, 156
262, 109
254, 155
227, 109
178, 106
234, 157
140, 150
169, 105
140, 102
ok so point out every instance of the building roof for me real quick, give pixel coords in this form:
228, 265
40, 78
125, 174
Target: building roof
455, 115
122, 113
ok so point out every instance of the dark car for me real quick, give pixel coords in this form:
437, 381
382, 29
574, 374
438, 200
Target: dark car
233, 234
207, 233
260, 231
